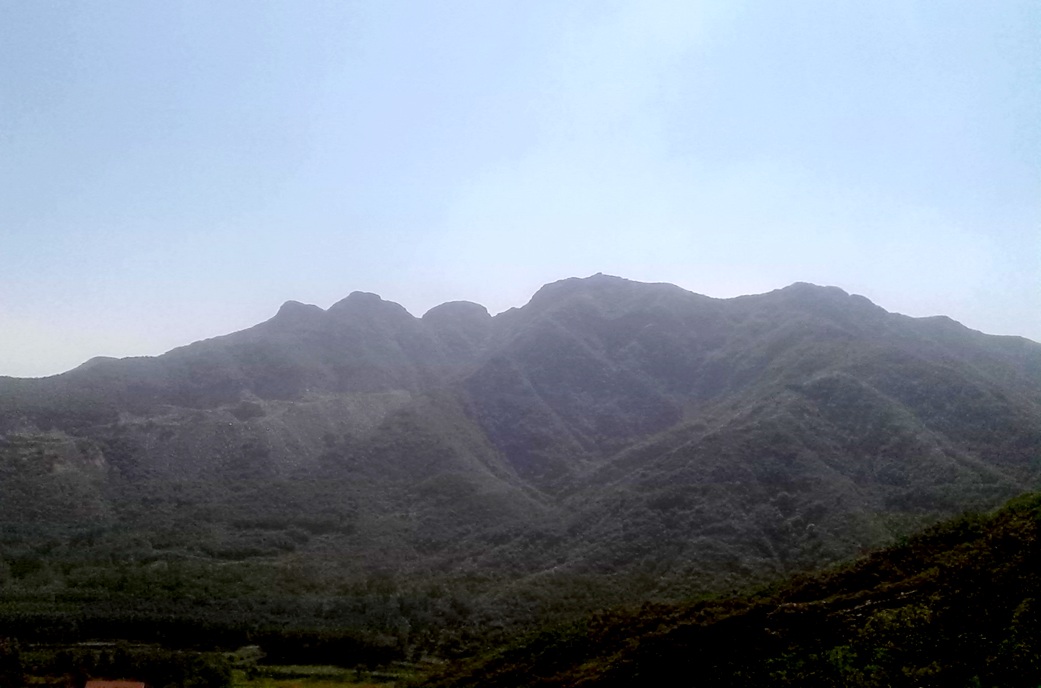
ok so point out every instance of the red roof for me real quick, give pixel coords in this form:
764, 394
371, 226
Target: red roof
95, 683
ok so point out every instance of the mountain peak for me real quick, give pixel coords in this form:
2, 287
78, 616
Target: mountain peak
572, 285
96, 361
366, 303
607, 290
829, 296
810, 288
458, 310
295, 310
294, 315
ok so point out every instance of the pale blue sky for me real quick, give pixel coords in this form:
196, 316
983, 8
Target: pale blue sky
176, 170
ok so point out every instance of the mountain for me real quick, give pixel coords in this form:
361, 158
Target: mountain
956, 605
460, 476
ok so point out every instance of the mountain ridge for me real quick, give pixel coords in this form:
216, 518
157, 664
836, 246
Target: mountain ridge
296, 312
609, 439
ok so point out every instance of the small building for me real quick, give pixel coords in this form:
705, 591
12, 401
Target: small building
100, 683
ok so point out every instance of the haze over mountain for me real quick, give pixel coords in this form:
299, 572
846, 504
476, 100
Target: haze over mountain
386, 481
610, 440
174, 170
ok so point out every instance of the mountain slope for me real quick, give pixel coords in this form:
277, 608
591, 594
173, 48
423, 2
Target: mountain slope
955, 605
610, 440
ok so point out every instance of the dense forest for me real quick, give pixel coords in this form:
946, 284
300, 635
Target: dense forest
956, 605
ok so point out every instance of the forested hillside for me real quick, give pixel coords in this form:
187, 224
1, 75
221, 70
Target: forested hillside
358, 484
956, 605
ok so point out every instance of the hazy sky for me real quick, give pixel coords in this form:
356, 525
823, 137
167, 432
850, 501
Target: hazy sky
176, 170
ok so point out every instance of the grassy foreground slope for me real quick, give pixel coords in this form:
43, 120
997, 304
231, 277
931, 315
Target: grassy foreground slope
958, 605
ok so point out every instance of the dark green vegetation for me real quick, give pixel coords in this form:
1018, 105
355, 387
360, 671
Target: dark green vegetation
62, 666
156, 666
958, 605
355, 486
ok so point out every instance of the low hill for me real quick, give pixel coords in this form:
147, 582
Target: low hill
955, 605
